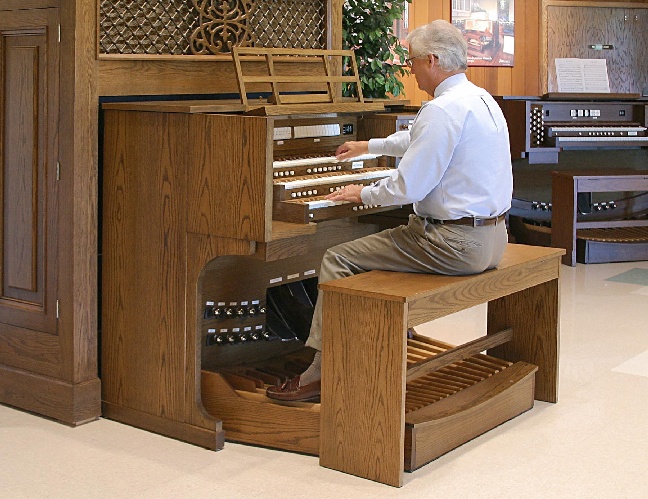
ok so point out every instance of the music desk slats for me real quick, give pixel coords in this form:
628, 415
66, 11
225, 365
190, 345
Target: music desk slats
364, 356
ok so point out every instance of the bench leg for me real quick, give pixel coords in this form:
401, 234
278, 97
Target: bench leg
364, 349
533, 315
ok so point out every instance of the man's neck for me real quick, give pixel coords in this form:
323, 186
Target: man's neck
443, 76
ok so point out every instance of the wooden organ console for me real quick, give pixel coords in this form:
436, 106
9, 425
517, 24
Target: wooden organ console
580, 134
214, 226
223, 220
209, 283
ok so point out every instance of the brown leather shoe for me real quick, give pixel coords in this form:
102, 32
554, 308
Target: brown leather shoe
290, 391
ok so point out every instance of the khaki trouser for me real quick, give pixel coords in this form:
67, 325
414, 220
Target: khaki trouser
419, 246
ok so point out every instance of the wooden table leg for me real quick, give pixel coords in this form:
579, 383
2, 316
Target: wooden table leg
363, 387
563, 215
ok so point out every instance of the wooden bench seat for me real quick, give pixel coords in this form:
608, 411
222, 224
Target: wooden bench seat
366, 317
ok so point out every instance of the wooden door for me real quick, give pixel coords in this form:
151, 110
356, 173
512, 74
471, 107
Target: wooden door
28, 171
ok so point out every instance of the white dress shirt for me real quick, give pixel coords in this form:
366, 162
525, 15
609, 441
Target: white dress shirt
456, 158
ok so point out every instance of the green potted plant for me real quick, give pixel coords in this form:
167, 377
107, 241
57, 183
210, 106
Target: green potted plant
368, 29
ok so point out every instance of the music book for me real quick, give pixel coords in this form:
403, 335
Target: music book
582, 75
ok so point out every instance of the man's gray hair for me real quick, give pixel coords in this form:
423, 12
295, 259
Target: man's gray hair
443, 40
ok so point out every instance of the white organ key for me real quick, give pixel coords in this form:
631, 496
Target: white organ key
303, 162
603, 139
598, 129
327, 179
320, 160
323, 203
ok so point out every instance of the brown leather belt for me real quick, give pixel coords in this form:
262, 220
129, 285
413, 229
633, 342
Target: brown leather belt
471, 221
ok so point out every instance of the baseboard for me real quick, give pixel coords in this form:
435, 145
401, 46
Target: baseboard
69, 403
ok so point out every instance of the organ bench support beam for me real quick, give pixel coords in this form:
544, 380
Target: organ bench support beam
364, 364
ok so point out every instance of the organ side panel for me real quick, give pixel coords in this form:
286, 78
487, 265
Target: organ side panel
143, 260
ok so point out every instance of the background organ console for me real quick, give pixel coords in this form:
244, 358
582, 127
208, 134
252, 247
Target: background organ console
580, 134
543, 127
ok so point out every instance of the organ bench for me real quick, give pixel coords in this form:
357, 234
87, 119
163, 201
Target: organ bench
368, 371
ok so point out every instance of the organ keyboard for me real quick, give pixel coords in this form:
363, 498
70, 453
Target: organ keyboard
300, 184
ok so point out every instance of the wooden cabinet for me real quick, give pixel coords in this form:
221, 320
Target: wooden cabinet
39, 370
587, 31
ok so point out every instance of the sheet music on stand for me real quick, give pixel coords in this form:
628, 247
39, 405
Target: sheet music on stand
582, 75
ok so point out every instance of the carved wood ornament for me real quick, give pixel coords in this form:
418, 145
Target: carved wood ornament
222, 25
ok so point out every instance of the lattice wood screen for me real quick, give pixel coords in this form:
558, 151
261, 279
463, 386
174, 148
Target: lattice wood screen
209, 27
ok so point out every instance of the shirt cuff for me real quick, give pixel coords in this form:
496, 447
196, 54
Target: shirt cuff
377, 146
365, 194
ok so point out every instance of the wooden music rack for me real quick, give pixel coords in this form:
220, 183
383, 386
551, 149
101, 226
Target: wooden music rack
298, 80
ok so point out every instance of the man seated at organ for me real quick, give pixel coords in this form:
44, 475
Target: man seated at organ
455, 170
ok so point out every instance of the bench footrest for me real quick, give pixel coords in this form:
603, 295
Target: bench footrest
435, 429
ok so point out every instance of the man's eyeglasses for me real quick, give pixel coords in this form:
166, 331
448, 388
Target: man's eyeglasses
408, 61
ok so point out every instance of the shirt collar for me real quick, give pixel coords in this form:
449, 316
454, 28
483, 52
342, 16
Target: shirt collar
450, 82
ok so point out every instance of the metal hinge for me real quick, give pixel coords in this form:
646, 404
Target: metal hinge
57, 309
58, 171
59, 33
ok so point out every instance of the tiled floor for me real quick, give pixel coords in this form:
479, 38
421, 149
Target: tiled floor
592, 444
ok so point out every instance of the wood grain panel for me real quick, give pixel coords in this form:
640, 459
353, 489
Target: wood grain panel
153, 270
210, 438
261, 422
243, 208
22, 183
71, 403
77, 127
370, 419
534, 316
28, 187
568, 27
28, 4
627, 67
144, 236
30, 350
54, 375
450, 422
493, 285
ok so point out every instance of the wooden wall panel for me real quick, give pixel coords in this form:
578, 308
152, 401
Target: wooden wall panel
48, 363
22, 171
28, 186
521, 79
627, 69
528, 75
571, 27
78, 146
